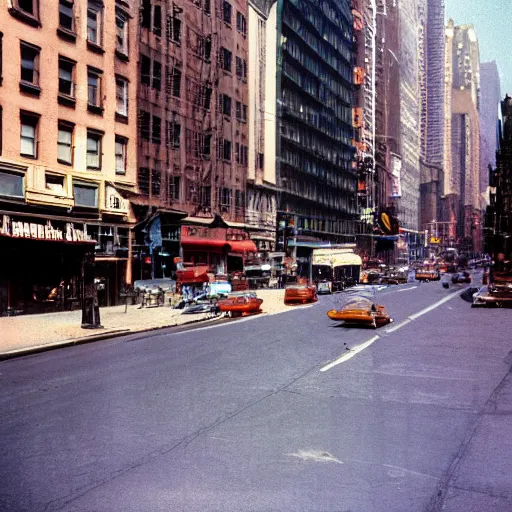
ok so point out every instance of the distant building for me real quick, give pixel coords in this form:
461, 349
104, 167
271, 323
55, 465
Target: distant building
490, 95
462, 205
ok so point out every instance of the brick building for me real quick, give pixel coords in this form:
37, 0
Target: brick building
68, 131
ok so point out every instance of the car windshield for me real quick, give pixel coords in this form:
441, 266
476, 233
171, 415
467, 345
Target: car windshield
358, 302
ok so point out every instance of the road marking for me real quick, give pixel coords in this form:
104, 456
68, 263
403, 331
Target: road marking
398, 326
316, 455
406, 289
350, 354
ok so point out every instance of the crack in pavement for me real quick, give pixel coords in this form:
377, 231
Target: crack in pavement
59, 503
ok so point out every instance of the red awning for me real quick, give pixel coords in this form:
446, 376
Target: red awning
206, 243
242, 246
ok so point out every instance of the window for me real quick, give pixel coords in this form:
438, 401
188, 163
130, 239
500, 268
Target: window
156, 177
28, 141
145, 14
237, 152
143, 180
238, 110
205, 196
226, 12
225, 104
174, 29
238, 199
1, 52
27, 11
156, 130
241, 68
207, 52
174, 135
66, 71
85, 195
226, 150
94, 22
174, 82
244, 113
145, 70
66, 20
225, 197
93, 150
157, 20
207, 142
29, 67
225, 59
207, 7
121, 96
65, 143
54, 182
121, 33
207, 90
12, 184
157, 75
144, 125
121, 151
93, 88
175, 188
241, 23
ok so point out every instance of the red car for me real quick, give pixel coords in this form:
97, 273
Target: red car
300, 293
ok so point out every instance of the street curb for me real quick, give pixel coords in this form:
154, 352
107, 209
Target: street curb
114, 333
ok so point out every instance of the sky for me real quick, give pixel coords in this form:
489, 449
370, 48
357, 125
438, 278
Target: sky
492, 20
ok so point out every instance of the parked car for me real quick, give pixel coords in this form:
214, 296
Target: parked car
239, 304
300, 293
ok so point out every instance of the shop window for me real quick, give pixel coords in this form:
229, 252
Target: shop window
65, 143
26, 10
29, 134
157, 75
121, 96
156, 130
226, 12
66, 81
85, 195
121, 153
157, 20
241, 23
12, 184
54, 182
121, 34
94, 23
29, 68
174, 82
66, 18
94, 140
174, 29
145, 70
94, 99
225, 59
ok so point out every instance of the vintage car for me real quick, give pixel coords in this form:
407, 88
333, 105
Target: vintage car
300, 292
239, 304
427, 275
488, 296
361, 311
370, 276
395, 276
461, 277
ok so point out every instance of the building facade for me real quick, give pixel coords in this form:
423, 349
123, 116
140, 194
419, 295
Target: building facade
261, 207
68, 148
462, 204
318, 197
193, 129
490, 96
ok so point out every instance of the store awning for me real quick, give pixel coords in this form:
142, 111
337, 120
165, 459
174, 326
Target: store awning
242, 246
204, 243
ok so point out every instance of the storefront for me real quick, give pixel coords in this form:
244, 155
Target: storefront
216, 244
41, 263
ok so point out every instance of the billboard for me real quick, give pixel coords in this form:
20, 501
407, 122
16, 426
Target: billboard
396, 171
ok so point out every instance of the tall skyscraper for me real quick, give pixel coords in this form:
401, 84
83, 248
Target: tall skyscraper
462, 206
318, 183
490, 95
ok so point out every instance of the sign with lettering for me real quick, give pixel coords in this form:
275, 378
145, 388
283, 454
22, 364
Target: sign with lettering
15, 228
114, 200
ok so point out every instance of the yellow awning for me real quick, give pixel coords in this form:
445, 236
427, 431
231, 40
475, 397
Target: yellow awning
335, 257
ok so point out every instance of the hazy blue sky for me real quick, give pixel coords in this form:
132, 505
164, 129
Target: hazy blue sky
493, 26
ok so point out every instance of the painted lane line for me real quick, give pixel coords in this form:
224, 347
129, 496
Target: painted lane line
435, 305
350, 354
398, 326
406, 289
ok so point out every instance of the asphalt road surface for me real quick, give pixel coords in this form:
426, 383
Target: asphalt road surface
278, 413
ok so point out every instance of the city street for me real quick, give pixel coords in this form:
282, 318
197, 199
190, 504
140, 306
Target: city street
270, 414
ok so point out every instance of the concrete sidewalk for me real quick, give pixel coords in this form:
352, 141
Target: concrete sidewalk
27, 333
